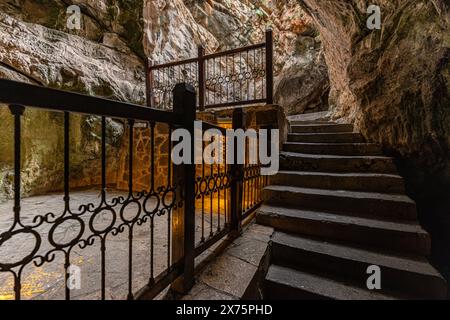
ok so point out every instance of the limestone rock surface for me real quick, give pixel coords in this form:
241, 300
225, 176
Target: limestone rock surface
394, 83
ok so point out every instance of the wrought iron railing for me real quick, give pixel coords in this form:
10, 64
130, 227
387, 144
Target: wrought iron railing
207, 199
231, 78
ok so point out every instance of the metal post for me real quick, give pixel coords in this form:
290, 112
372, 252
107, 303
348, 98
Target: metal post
237, 183
149, 82
17, 111
201, 78
183, 220
269, 66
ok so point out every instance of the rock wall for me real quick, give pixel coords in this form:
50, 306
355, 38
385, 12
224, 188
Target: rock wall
174, 30
302, 85
115, 23
105, 58
60, 60
394, 84
36, 54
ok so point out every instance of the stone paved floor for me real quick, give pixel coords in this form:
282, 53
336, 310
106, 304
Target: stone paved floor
47, 282
238, 270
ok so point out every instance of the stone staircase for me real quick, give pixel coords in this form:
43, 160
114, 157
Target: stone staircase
339, 206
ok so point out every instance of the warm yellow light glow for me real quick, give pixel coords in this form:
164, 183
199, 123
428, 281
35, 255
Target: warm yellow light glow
37, 282
34, 284
216, 204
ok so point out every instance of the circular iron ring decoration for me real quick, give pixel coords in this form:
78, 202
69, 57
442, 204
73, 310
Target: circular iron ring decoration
166, 193
74, 240
26, 259
126, 204
149, 197
108, 228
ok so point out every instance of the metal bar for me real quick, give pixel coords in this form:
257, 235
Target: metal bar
66, 196
234, 51
211, 198
218, 190
269, 66
17, 111
202, 247
173, 64
240, 77
250, 211
103, 159
207, 126
161, 282
17, 93
226, 184
208, 56
203, 195
103, 201
169, 210
201, 78
149, 82
237, 170
184, 175
151, 280
66, 160
130, 197
66, 275
235, 103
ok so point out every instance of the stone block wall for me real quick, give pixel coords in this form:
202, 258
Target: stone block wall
42, 156
142, 158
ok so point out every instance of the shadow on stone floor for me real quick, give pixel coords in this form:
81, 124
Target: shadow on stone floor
47, 282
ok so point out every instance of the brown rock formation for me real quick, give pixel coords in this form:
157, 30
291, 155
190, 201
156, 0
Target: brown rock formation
101, 19
33, 53
394, 83
174, 29
104, 58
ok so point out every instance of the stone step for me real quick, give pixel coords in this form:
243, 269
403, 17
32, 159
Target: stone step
283, 283
309, 122
326, 137
407, 237
342, 149
412, 274
392, 206
368, 182
321, 128
291, 161
322, 116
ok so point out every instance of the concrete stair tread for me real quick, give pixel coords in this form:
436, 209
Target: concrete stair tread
346, 137
336, 163
337, 157
330, 148
320, 286
310, 122
344, 193
343, 144
366, 182
324, 133
327, 217
338, 205
412, 264
321, 128
323, 124
343, 174
321, 116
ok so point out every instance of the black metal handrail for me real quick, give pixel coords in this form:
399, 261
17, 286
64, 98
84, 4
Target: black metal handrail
174, 202
234, 77
13, 92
